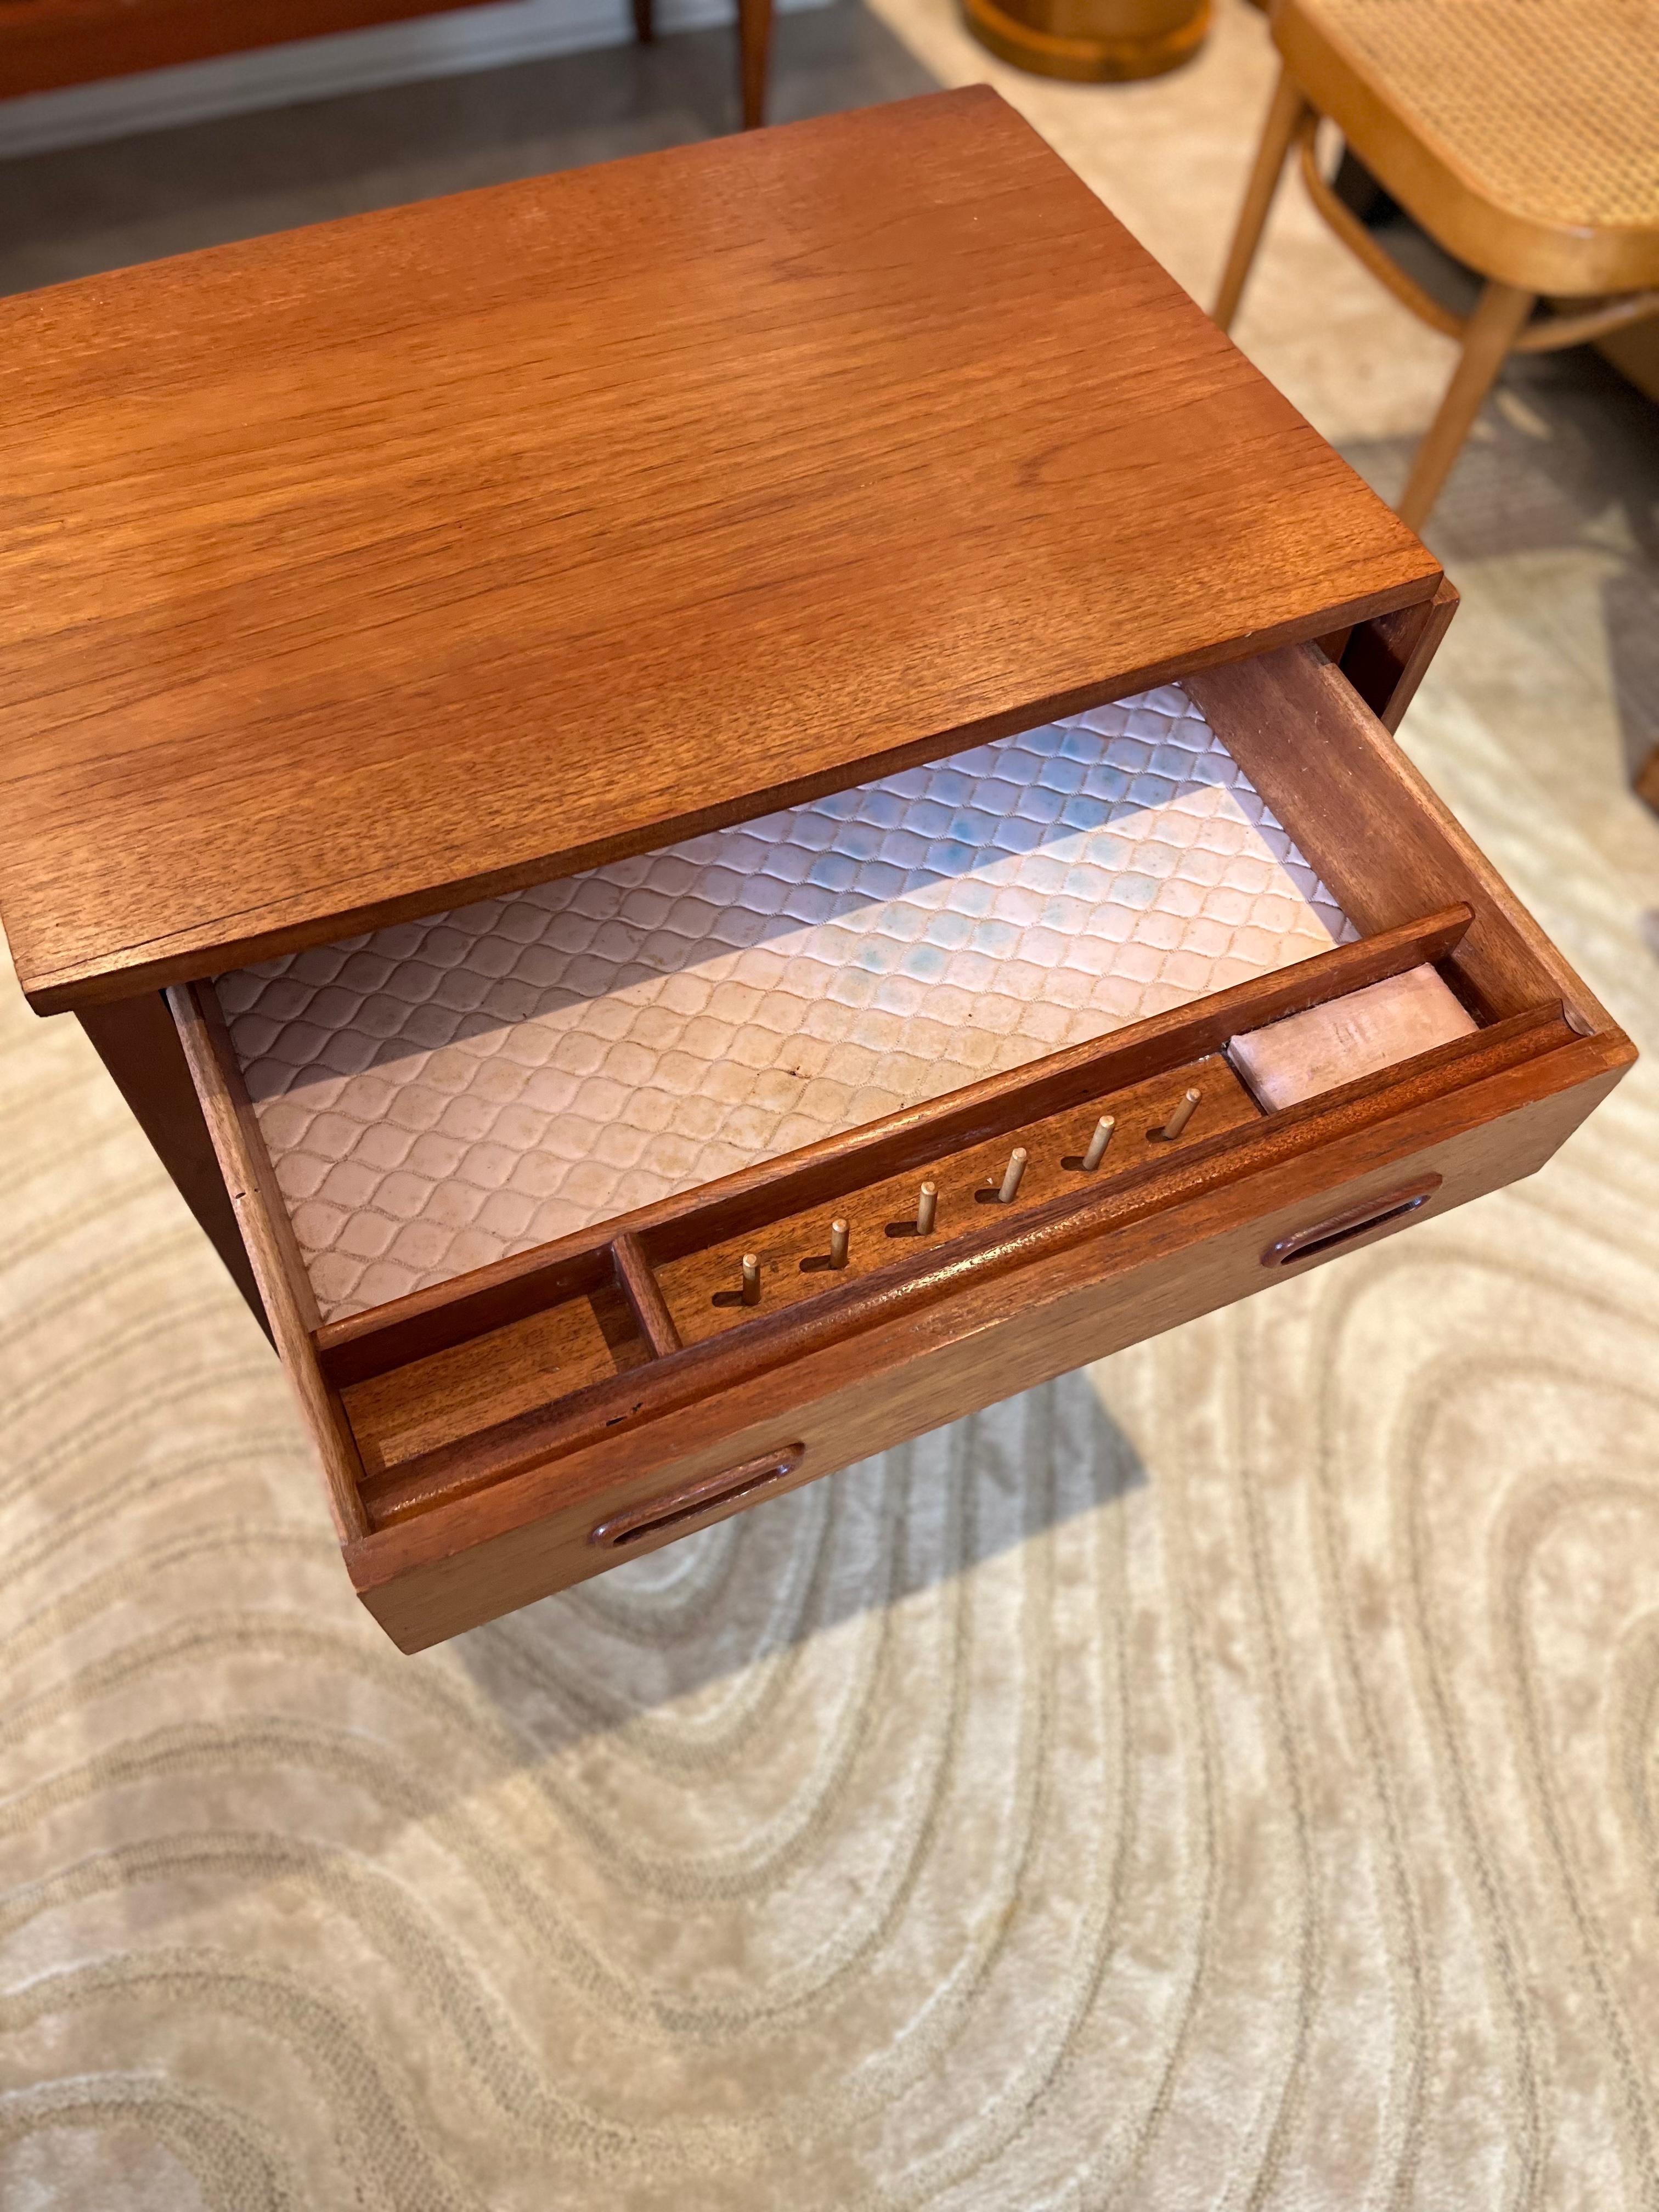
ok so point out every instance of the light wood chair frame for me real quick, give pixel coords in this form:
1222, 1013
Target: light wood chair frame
1503, 321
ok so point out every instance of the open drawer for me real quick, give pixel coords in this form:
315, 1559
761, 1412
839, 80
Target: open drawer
512, 559
589, 1216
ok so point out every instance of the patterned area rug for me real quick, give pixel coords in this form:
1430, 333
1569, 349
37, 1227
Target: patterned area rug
1225, 1778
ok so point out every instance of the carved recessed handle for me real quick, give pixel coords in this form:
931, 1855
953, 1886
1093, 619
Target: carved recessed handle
699, 1503
1347, 1228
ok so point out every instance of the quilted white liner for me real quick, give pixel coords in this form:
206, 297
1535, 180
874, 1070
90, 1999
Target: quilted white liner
440, 1094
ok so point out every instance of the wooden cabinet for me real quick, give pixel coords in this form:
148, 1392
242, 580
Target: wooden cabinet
727, 764
45, 44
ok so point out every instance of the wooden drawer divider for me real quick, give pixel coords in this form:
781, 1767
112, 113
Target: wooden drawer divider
516, 1445
429, 1321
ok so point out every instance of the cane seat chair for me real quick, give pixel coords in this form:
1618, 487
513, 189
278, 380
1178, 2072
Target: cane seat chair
1524, 139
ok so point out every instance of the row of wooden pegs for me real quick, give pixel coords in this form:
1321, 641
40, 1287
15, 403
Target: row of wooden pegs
927, 1196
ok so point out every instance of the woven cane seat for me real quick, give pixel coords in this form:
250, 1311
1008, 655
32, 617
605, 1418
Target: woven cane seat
1523, 134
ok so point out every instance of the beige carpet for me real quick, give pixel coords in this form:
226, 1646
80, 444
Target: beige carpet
1227, 1779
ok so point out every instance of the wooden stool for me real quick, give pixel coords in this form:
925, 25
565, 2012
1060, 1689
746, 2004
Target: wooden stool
1524, 142
1090, 41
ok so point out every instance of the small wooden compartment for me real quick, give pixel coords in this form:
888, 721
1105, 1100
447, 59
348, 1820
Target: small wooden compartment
626, 770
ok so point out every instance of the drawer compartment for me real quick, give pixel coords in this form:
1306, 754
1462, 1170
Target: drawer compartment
453, 1091
590, 1216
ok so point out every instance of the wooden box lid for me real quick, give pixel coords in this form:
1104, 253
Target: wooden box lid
358, 572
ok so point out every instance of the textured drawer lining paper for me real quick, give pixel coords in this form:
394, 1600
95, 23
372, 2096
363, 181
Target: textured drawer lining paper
446, 1092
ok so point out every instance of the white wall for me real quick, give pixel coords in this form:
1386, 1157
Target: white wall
353, 61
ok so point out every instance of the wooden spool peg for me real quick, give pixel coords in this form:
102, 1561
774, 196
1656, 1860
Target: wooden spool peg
1178, 1120
1098, 1142
1011, 1178
751, 1278
839, 1236
927, 1209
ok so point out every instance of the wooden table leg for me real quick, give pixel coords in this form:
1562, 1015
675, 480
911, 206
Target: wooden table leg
1492, 330
754, 48
137, 1041
1284, 120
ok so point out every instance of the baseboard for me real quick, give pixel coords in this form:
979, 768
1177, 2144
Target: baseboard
352, 61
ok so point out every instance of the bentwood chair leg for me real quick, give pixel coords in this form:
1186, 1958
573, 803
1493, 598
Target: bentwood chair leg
1499, 319
644, 27
754, 43
1283, 117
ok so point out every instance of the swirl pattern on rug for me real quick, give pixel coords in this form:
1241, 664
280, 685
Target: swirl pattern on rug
1225, 1781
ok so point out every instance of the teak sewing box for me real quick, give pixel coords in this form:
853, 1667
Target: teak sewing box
573, 747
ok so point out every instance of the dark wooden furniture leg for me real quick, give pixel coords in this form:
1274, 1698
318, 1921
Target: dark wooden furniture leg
645, 28
754, 50
137, 1042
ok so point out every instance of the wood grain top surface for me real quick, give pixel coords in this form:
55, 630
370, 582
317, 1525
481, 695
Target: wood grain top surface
354, 572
